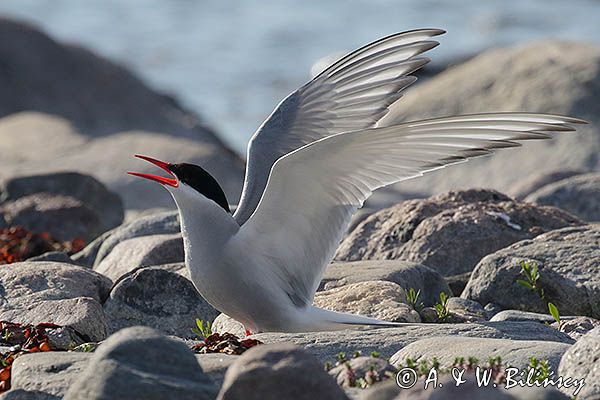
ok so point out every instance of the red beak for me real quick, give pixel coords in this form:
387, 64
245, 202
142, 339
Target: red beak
160, 179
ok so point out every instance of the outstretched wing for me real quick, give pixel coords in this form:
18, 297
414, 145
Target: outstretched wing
312, 192
352, 94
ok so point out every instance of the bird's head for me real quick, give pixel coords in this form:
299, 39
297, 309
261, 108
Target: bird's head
186, 181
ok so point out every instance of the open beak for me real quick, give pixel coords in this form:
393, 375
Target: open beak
160, 179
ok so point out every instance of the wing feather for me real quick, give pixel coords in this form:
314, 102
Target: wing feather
312, 192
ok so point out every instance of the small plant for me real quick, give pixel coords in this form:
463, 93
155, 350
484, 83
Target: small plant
532, 276
554, 312
341, 358
541, 368
441, 308
375, 354
203, 330
412, 297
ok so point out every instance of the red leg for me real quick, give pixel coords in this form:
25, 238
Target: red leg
248, 333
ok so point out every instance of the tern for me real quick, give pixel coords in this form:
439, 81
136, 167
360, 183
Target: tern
310, 166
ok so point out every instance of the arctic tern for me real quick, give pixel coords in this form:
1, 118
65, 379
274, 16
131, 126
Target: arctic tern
310, 166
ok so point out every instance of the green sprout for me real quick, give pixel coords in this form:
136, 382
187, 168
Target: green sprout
541, 369
412, 297
442, 309
203, 330
532, 276
554, 312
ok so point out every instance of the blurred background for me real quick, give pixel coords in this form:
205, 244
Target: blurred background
86, 84
233, 61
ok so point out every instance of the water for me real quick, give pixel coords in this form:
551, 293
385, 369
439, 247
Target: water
232, 61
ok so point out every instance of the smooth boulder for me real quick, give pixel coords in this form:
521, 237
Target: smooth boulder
383, 300
163, 300
581, 362
139, 362
579, 195
567, 260
450, 232
141, 252
407, 274
280, 371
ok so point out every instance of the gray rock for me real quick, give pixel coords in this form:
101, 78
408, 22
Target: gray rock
106, 204
48, 374
466, 310
537, 393
579, 195
577, 327
387, 341
581, 362
55, 256
449, 391
20, 394
575, 75
475, 222
405, 273
517, 315
64, 218
458, 282
151, 296
534, 182
224, 323
162, 223
281, 371
386, 390
139, 362
377, 299
567, 260
491, 309
64, 294
102, 157
82, 314
216, 365
346, 374
141, 252
516, 353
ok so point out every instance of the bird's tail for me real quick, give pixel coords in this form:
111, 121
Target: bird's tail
325, 320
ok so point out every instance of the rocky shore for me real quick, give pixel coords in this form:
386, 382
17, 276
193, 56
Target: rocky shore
494, 263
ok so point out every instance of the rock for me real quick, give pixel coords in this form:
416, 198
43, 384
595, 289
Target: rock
20, 394
567, 261
89, 191
151, 296
475, 222
139, 362
55, 256
140, 252
458, 282
157, 224
429, 314
216, 365
516, 353
224, 323
465, 310
64, 218
377, 299
98, 95
579, 195
523, 77
387, 341
281, 371
64, 294
48, 374
581, 362
520, 316
532, 183
577, 327
449, 391
108, 159
492, 309
346, 374
405, 273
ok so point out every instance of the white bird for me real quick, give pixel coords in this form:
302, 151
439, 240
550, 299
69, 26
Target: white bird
311, 165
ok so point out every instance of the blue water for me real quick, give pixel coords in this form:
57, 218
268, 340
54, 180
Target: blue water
232, 61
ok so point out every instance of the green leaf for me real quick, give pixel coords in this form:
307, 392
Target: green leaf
525, 284
554, 312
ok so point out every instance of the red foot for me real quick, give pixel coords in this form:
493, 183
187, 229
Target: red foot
248, 333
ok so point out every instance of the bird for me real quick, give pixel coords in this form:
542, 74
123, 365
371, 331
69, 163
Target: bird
310, 166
